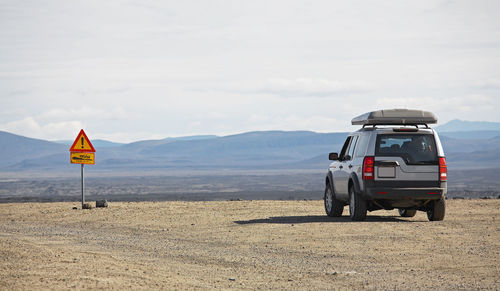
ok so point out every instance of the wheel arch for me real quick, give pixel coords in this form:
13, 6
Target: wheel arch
354, 182
329, 180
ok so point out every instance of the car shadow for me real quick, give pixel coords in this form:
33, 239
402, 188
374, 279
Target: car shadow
319, 219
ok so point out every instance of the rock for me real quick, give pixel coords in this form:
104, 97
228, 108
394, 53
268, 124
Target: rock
232, 279
101, 203
87, 206
75, 208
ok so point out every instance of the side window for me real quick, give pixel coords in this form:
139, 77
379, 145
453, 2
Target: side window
354, 140
344, 148
362, 144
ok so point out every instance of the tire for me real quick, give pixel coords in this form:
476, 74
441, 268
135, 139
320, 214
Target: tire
436, 210
357, 206
407, 212
333, 207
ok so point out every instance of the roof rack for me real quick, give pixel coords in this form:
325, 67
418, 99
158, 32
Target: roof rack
395, 117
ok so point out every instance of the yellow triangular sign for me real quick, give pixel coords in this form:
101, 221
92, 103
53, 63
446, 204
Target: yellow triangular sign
82, 144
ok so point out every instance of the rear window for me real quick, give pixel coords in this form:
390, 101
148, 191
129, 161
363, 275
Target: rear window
415, 149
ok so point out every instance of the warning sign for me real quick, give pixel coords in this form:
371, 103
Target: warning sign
82, 144
82, 158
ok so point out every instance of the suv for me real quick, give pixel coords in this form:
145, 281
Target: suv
394, 161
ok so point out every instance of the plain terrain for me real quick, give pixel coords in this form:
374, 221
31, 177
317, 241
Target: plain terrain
205, 185
246, 245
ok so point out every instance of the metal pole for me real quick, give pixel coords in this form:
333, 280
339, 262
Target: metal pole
83, 190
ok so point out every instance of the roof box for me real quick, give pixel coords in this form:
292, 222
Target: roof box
395, 117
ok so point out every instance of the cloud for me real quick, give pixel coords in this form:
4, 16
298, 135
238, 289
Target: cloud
457, 105
487, 84
84, 113
52, 131
301, 88
306, 87
128, 70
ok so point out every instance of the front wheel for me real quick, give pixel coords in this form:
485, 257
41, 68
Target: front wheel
436, 210
407, 212
333, 207
357, 206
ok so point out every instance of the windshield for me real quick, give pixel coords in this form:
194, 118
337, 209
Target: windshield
415, 149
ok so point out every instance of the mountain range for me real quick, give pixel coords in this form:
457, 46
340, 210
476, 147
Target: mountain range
465, 148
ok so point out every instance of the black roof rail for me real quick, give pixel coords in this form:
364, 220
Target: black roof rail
395, 124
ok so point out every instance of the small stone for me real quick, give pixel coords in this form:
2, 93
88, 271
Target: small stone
232, 279
87, 206
75, 208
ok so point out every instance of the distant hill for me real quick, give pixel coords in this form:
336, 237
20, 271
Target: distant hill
462, 125
140, 145
15, 148
475, 134
467, 145
478, 159
97, 143
250, 150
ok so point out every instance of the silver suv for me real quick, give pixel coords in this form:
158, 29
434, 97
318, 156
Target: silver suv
394, 161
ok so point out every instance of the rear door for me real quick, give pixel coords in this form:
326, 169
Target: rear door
406, 160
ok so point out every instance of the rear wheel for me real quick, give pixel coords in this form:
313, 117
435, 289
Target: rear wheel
407, 212
357, 206
333, 207
436, 210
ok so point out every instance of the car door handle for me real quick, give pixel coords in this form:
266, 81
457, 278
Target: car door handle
341, 167
350, 166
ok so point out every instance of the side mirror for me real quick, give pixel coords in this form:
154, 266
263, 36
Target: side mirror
333, 156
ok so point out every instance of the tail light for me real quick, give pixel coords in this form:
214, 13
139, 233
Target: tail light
368, 168
443, 172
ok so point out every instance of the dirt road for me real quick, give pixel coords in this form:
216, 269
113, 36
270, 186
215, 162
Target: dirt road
246, 245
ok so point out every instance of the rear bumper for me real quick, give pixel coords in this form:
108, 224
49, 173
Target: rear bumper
383, 193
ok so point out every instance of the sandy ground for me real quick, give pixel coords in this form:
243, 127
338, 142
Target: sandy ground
246, 245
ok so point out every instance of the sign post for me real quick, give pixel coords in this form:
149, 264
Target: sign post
83, 189
82, 152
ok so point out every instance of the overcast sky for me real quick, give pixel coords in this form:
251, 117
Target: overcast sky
130, 70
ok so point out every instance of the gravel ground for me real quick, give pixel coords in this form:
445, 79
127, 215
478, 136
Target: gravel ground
246, 245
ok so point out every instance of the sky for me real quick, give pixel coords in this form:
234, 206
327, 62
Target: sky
132, 70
